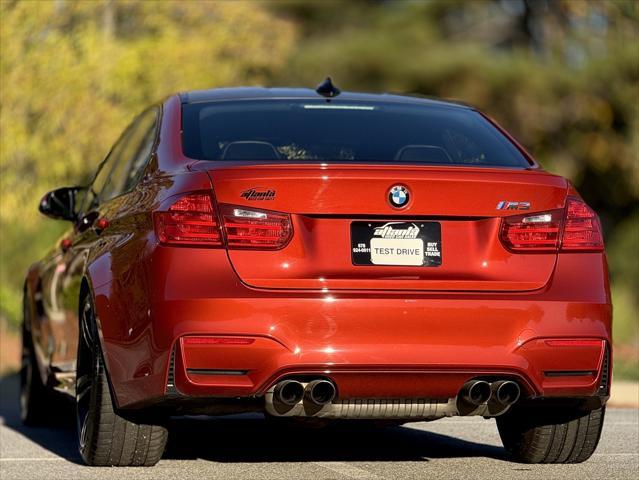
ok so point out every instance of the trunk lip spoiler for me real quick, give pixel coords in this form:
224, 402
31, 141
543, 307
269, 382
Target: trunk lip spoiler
198, 164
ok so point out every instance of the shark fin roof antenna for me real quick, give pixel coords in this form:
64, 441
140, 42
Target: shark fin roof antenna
327, 89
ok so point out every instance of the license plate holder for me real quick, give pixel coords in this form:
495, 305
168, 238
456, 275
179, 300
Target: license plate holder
405, 244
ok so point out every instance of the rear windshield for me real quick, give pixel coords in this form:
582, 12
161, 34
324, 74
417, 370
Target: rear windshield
343, 131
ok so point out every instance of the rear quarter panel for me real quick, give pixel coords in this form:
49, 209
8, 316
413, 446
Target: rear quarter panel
119, 270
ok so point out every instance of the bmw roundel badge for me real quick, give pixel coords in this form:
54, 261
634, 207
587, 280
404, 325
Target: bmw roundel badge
398, 196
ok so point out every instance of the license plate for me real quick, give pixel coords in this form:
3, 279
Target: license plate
414, 244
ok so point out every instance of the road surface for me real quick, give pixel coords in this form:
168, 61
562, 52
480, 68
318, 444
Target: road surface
248, 447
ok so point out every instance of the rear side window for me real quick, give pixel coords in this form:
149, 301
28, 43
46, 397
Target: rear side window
131, 156
344, 131
146, 139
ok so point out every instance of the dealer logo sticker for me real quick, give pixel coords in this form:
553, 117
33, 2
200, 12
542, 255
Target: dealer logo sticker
398, 196
258, 193
388, 231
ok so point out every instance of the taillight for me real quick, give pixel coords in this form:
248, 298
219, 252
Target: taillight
538, 232
251, 228
582, 230
192, 220
573, 228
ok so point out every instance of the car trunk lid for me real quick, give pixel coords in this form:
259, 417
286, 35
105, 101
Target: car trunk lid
333, 207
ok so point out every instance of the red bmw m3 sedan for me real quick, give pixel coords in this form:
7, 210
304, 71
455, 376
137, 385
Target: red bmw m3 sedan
320, 255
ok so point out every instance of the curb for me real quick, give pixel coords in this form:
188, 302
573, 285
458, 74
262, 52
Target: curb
624, 394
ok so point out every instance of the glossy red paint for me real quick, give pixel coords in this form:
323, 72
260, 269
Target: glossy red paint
305, 309
472, 261
347, 332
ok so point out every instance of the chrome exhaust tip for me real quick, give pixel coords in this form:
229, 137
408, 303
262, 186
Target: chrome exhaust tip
320, 392
288, 392
505, 392
476, 392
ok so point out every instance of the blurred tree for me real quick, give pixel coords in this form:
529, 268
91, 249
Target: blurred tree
72, 74
562, 75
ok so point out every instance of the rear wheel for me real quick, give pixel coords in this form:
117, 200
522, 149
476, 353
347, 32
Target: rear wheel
34, 395
544, 436
105, 437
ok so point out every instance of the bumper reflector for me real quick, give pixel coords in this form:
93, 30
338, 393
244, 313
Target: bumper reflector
573, 343
569, 373
218, 340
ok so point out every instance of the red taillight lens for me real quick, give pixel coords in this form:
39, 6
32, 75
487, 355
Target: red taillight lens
537, 232
582, 230
189, 221
251, 228
574, 228
192, 220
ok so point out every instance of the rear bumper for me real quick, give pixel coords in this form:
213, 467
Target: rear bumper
371, 344
399, 371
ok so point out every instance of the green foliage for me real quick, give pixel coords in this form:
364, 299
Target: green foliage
563, 76
626, 370
72, 74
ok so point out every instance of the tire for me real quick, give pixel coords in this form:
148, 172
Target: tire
544, 436
105, 438
34, 395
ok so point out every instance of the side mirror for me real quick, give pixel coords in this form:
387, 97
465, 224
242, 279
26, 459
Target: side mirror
60, 203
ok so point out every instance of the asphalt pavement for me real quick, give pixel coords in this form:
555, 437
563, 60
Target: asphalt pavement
249, 447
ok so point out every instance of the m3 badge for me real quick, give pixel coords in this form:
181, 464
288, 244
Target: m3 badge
507, 205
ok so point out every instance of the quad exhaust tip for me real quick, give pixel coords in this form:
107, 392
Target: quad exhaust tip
319, 392
322, 392
476, 392
505, 392
502, 392
289, 392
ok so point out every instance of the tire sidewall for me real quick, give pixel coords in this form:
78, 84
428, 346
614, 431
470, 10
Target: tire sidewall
32, 392
89, 361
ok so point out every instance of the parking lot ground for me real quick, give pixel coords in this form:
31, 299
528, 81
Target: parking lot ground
250, 447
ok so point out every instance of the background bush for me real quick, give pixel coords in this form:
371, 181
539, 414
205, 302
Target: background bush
562, 76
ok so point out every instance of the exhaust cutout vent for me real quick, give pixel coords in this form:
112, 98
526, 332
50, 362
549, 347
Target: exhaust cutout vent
604, 384
170, 381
